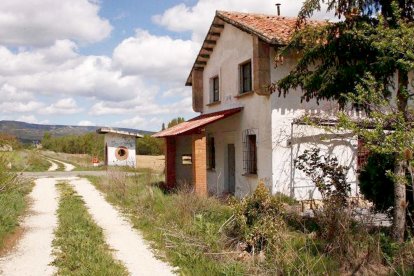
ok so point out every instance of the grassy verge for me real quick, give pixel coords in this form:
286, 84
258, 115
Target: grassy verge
182, 226
13, 201
26, 160
79, 242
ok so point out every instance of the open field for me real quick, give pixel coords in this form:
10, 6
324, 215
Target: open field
156, 163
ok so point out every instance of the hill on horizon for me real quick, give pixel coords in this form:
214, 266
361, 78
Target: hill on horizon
28, 133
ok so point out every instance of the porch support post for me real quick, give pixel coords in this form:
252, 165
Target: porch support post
170, 157
199, 164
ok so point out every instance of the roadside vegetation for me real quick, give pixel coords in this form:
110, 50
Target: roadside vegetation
80, 248
13, 201
25, 161
260, 234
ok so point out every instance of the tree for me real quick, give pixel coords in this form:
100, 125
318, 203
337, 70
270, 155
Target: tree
354, 62
163, 126
175, 122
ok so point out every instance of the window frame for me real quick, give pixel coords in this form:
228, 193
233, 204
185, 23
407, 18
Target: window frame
250, 152
215, 91
243, 87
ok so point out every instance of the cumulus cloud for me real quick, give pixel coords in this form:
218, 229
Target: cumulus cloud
160, 57
86, 123
63, 106
142, 108
139, 122
31, 119
197, 18
41, 22
59, 69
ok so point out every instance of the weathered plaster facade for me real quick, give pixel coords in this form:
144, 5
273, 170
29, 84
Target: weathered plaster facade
115, 143
269, 117
120, 147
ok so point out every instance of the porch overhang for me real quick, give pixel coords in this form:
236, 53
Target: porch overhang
195, 125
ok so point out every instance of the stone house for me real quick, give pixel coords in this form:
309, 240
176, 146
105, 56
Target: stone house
245, 134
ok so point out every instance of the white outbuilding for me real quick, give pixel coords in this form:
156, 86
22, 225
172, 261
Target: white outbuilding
120, 147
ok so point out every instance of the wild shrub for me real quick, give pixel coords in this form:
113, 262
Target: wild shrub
257, 220
345, 238
330, 179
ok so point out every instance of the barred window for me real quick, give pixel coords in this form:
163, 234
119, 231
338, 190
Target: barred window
250, 152
211, 153
362, 155
245, 77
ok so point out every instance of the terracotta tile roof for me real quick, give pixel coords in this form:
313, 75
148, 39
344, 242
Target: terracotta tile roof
275, 30
271, 28
196, 123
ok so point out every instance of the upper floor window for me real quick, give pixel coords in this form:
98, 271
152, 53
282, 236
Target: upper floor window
215, 89
246, 77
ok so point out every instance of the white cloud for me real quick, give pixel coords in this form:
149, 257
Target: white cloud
86, 123
140, 123
59, 69
31, 119
41, 22
63, 106
142, 108
159, 57
14, 107
197, 18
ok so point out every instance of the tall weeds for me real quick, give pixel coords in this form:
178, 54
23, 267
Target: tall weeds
13, 190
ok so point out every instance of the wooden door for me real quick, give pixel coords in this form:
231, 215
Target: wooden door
231, 159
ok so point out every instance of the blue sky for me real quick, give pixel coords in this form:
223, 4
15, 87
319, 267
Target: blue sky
120, 63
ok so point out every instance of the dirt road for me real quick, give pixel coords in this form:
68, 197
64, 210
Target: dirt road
33, 253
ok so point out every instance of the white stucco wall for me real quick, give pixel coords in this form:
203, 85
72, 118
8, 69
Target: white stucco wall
113, 142
233, 48
289, 141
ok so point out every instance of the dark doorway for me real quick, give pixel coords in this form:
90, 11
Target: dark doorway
106, 154
231, 159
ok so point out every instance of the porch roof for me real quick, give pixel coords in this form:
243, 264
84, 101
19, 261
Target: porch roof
197, 123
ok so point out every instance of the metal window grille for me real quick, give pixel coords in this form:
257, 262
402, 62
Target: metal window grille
246, 77
250, 151
211, 153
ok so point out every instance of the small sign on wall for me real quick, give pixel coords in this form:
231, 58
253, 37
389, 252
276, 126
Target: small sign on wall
187, 159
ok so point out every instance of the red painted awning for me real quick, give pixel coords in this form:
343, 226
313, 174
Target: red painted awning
197, 123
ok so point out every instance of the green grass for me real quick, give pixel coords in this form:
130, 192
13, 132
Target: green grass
183, 226
13, 202
26, 160
187, 230
79, 243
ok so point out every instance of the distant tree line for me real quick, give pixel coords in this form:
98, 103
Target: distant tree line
150, 146
90, 143
93, 144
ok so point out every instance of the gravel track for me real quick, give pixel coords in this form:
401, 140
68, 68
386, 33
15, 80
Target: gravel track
33, 253
129, 246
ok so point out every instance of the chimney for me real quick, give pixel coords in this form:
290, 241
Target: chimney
278, 8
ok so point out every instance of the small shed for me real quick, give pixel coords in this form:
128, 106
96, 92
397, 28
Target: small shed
119, 147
